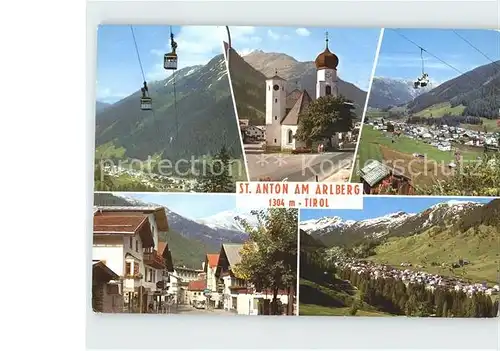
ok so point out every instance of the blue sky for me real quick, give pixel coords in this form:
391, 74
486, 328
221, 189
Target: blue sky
193, 206
379, 206
355, 47
118, 69
399, 58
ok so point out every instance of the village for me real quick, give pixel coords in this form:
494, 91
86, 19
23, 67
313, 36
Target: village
150, 179
441, 137
133, 271
410, 276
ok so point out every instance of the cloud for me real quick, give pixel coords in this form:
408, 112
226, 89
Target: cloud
273, 35
108, 95
303, 32
199, 44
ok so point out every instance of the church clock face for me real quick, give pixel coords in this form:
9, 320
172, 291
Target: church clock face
328, 74
276, 87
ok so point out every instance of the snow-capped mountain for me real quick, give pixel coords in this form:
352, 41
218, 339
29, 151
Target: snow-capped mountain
228, 220
335, 231
386, 92
213, 236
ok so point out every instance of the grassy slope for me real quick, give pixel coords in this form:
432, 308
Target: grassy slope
439, 110
185, 251
480, 248
327, 300
372, 140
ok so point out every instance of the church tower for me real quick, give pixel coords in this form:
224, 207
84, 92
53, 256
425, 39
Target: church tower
275, 108
326, 76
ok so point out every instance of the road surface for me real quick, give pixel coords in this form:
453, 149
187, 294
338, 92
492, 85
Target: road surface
187, 309
297, 168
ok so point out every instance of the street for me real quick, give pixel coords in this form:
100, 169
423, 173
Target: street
188, 309
297, 168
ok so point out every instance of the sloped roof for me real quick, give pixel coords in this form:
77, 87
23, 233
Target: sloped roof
292, 98
102, 272
118, 224
158, 211
292, 118
374, 172
213, 259
233, 253
197, 285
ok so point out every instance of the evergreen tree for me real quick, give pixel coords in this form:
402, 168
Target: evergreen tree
216, 177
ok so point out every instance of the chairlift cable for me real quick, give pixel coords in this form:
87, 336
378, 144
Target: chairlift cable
476, 48
422, 58
436, 57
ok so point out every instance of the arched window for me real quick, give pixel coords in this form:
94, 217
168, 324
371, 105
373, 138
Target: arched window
290, 136
328, 90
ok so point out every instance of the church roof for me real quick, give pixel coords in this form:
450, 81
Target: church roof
327, 59
292, 118
292, 98
275, 77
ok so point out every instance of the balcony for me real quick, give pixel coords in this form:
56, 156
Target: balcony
153, 259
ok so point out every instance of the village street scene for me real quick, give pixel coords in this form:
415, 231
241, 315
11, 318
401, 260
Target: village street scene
400, 258
295, 111
432, 126
149, 259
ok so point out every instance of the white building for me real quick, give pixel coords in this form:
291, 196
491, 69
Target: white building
126, 240
283, 110
238, 295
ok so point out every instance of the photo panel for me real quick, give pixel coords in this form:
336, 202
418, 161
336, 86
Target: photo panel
165, 118
432, 125
402, 256
300, 95
198, 254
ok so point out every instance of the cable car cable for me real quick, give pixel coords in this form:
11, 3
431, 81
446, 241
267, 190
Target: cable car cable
137, 52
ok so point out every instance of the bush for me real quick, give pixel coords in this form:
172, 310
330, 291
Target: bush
301, 150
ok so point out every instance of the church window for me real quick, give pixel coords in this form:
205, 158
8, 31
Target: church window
269, 88
275, 140
290, 136
275, 100
275, 118
328, 90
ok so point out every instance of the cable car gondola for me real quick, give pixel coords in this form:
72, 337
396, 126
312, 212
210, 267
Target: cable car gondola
146, 101
170, 59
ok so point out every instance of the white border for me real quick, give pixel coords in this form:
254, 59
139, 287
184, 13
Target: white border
245, 162
374, 69
133, 331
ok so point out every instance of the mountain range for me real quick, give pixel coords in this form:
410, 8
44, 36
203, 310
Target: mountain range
249, 73
389, 92
476, 92
197, 122
333, 231
190, 240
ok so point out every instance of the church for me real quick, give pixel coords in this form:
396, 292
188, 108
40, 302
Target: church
283, 109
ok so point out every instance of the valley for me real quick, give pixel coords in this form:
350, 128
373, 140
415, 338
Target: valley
446, 252
183, 131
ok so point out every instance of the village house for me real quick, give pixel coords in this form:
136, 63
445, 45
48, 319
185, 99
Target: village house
106, 294
196, 292
126, 240
210, 267
377, 177
239, 295
181, 278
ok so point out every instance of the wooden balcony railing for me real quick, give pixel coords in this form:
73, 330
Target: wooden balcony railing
153, 259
